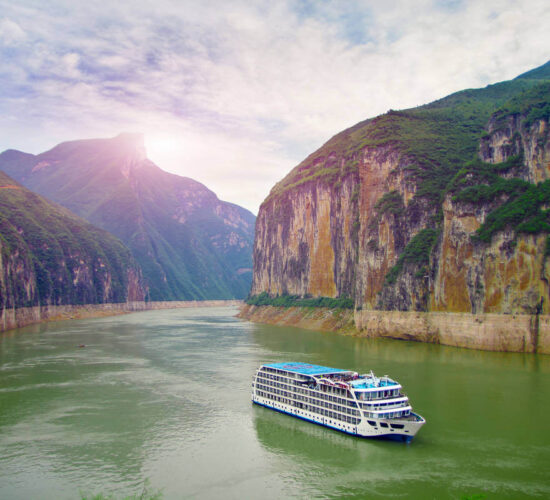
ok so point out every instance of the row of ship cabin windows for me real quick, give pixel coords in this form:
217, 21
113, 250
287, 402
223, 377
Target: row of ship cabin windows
364, 396
283, 396
393, 414
367, 396
299, 390
312, 409
383, 406
306, 401
330, 398
324, 388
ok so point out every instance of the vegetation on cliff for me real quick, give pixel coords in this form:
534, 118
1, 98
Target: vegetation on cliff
50, 256
264, 299
532, 105
519, 203
416, 252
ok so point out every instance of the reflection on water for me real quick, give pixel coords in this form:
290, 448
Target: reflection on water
165, 395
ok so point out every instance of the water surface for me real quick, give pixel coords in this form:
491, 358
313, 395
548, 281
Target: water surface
164, 396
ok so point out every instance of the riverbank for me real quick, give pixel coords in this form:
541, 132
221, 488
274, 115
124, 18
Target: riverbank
488, 332
23, 316
310, 318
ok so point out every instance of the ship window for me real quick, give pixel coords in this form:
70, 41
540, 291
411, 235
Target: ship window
397, 426
383, 424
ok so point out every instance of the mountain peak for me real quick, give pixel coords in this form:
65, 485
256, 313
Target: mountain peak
131, 138
134, 145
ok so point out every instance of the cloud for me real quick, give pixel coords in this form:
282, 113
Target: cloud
250, 88
11, 33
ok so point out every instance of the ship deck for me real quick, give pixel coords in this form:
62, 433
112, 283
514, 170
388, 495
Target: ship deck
307, 369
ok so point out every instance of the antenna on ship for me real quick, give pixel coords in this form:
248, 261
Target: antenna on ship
375, 381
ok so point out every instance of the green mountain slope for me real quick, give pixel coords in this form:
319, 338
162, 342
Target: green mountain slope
51, 257
436, 138
189, 244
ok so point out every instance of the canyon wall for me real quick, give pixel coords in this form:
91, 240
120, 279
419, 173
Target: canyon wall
423, 212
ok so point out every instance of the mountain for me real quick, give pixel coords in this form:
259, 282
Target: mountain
443, 207
48, 256
189, 244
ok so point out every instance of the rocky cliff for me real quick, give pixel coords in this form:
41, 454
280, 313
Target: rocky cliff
49, 257
441, 208
189, 244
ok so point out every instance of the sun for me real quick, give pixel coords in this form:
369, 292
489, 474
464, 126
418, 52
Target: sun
162, 146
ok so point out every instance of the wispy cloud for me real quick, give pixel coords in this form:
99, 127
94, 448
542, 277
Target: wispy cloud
245, 89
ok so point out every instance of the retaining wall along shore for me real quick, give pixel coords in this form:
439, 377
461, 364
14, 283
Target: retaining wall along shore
17, 318
490, 332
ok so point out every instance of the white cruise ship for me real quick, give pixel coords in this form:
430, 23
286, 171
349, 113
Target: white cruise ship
362, 405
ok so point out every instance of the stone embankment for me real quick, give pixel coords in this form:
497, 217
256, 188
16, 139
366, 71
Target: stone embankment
17, 318
489, 332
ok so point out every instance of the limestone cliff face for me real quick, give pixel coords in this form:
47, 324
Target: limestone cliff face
306, 242
508, 276
334, 240
357, 219
383, 232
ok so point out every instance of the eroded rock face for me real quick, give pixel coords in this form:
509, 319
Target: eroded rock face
510, 275
512, 136
294, 252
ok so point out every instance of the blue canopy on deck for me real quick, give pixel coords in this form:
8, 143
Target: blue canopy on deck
306, 368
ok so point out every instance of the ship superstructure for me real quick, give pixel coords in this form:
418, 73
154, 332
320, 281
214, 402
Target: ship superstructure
362, 405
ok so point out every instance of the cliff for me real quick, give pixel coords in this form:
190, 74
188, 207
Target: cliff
441, 208
189, 244
49, 257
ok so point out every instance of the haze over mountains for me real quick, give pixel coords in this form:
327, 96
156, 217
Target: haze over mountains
189, 244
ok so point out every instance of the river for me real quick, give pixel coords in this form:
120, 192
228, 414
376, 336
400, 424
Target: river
163, 397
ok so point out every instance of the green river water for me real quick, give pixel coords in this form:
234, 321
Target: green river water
164, 396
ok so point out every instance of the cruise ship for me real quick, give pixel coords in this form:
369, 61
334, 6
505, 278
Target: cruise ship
361, 405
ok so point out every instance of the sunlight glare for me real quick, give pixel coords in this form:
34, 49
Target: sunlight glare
162, 146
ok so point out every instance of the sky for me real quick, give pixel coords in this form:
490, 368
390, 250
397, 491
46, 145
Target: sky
235, 93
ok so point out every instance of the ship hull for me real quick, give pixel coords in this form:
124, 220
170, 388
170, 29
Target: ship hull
363, 429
